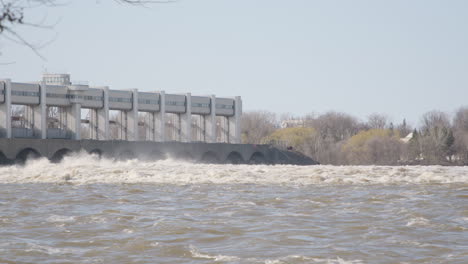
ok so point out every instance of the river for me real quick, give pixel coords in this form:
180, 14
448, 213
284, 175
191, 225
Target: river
91, 210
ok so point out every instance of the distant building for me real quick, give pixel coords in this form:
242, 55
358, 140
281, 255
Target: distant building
292, 123
407, 138
56, 79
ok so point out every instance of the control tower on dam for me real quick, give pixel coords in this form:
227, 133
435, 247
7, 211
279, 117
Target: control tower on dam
55, 116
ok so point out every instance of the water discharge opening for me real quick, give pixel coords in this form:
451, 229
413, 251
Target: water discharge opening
96, 152
27, 154
185, 156
3, 159
209, 157
257, 158
157, 155
60, 154
126, 155
234, 158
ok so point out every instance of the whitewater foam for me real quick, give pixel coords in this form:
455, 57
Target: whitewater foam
88, 169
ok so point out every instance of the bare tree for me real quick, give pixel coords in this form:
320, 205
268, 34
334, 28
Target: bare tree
12, 15
328, 151
434, 119
436, 141
436, 137
384, 150
333, 128
256, 125
377, 121
460, 128
335, 125
404, 129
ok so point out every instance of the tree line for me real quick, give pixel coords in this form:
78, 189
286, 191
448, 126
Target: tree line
340, 139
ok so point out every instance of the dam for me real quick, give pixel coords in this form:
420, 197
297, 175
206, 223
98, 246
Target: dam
56, 108
54, 117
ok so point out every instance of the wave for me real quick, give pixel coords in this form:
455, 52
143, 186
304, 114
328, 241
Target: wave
83, 168
195, 252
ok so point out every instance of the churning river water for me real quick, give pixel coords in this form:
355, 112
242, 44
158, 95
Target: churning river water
90, 210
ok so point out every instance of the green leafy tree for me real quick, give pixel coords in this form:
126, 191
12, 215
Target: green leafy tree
374, 146
297, 138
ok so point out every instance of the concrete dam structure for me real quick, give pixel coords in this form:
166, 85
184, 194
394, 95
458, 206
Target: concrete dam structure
19, 150
56, 108
55, 117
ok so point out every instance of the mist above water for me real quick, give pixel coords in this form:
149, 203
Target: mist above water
83, 168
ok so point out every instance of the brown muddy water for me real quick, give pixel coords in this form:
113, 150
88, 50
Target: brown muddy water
86, 210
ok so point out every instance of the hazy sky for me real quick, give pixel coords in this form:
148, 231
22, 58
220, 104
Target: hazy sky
399, 57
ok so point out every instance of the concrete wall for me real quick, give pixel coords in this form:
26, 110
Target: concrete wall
12, 149
224, 107
93, 98
57, 95
175, 103
201, 105
120, 100
148, 102
25, 93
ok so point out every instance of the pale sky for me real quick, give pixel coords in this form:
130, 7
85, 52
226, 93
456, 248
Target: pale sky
399, 57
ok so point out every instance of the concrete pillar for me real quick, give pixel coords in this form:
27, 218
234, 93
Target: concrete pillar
210, 122
93, 124
5, 110
39, 114
103, 116
122, 125
28, 117
132, 118
160, 119
63, 118
224, 129
234, 122
199, 126
186, 120
150, 126
177, 124
74, 121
